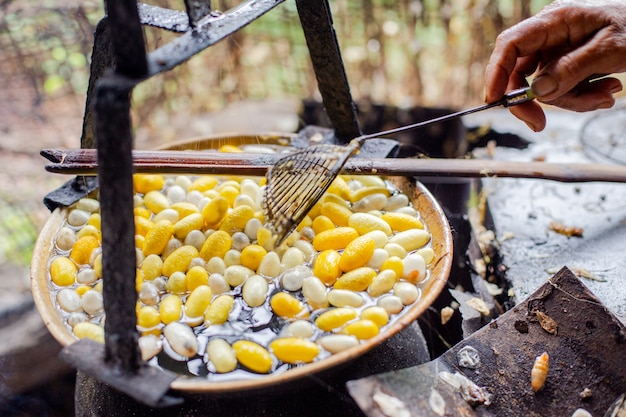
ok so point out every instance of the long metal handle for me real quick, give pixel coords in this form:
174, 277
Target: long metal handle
512, 98
84, 162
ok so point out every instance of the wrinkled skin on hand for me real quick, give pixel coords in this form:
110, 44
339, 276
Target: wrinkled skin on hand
564, 45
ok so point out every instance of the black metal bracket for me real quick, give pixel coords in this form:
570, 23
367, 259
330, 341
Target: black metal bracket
115, 173
321, 39
207, 31
196, 10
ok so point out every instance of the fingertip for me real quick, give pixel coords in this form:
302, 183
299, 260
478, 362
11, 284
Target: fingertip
490, 88
533, 127
532, 114
616, 87
497, 79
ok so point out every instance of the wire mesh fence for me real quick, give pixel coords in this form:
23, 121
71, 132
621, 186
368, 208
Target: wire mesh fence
19, 233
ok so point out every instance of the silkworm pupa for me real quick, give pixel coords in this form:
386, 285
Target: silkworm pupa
539, 372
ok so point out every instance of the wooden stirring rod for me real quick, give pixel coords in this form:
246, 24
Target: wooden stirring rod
83, 162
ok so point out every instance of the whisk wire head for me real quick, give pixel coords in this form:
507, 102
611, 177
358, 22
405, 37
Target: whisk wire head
297, 181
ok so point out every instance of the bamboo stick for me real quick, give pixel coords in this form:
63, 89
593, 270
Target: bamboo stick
83, 162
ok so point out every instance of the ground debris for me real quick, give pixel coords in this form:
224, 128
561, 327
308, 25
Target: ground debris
478, 305
493, 289
569, 231
470, 392
586, 394
390, 406
437, 403
446, 314
546, 322
580, 273
584, 273
474, 309
468, 357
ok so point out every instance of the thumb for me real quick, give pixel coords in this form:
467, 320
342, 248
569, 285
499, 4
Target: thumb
545, 86
565, 72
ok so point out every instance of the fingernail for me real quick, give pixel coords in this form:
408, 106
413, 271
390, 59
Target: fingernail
616, 89
605, 105
544, 84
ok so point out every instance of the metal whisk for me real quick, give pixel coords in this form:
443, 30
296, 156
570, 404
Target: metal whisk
297, 181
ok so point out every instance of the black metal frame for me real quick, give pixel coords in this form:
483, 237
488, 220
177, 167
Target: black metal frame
119, 63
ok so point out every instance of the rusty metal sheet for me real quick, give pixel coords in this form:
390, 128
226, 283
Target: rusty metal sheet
148, 385
586, 345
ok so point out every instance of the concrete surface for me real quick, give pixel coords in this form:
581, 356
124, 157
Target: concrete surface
523, 209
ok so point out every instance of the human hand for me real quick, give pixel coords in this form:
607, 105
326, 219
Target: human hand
565, 45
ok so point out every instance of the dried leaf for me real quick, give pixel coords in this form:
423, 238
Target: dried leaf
584, 273
547, 323
446, 314
569, 231
493, 289
478, 305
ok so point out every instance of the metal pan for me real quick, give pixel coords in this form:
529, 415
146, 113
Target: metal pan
432, 215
